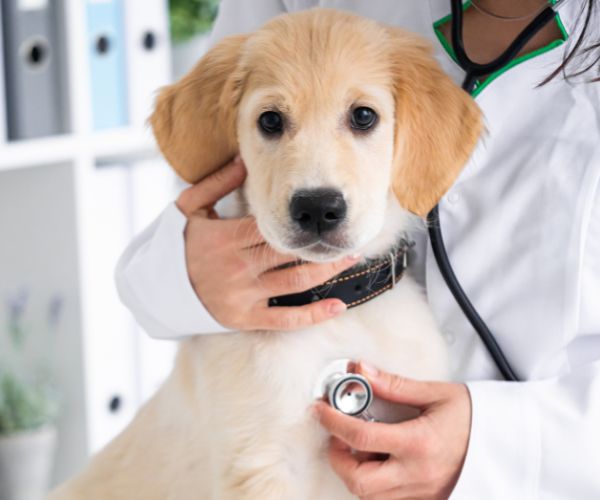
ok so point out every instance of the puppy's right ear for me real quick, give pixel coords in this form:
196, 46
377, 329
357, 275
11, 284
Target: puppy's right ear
194, 120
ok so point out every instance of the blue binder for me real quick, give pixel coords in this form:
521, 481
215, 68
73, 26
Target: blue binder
107, 63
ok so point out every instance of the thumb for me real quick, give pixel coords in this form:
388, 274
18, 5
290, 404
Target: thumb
398, 389
211, 189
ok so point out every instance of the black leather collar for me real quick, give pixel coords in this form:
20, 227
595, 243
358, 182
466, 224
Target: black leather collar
357, 285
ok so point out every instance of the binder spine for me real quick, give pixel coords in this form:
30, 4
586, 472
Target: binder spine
148, 62
3, 116
110, 343
152, 186
107, 63
33, 99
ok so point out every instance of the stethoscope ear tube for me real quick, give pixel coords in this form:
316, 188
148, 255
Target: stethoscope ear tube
474, 70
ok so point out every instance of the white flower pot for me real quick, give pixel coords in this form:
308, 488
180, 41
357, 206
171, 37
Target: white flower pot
26, 463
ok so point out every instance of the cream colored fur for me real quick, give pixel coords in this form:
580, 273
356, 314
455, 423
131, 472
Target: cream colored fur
231, 422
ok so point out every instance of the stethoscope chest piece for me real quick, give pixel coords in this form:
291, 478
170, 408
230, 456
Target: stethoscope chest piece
349, 393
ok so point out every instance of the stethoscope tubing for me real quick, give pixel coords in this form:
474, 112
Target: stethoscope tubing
472, 71
476, 69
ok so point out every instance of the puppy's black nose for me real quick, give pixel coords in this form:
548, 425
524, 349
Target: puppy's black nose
318, 210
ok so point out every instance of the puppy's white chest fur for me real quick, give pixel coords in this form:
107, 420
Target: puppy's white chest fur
256, 390
232, 420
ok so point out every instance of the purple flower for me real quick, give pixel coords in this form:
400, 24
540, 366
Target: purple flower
55, 307
16, 305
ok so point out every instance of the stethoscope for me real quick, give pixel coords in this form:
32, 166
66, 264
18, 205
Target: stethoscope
351, 393
474, 70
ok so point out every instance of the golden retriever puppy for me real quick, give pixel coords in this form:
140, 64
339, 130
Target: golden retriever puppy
358, 118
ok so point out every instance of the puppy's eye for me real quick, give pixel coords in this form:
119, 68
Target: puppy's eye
363, 118
270, 122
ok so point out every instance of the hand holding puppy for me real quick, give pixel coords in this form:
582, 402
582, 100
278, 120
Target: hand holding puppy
231, 267
424, 455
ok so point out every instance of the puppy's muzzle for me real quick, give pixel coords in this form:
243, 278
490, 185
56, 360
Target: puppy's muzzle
317, 211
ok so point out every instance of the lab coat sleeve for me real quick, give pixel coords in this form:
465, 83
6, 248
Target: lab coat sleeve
535, 439
152, 281
541, 439
151, 275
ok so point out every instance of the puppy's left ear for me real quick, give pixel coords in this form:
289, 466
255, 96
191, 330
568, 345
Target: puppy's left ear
437, 125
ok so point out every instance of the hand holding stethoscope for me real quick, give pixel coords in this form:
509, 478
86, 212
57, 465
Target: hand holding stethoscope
423, 456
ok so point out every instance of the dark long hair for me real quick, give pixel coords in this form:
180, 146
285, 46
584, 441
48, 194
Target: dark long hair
582, 59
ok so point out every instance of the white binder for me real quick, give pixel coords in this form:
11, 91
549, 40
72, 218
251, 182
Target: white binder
124, 366
148, 55
153, 186
111, 339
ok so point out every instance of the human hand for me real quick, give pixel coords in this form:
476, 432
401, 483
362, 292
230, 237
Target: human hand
230, 265
424, 456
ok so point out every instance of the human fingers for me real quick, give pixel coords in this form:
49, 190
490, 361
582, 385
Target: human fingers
263, 257
243, 233
212, 188
363, 436
303, 277
396, 493
224, 234
295, 318
362, 478
398, 389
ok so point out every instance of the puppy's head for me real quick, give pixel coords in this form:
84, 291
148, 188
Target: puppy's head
341, 122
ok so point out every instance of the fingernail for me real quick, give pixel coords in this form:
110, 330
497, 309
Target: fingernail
368, 369
237, 159
337, 308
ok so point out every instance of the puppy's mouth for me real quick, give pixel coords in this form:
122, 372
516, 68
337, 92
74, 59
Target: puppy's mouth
328, 247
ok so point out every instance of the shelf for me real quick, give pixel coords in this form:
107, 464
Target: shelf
36, 152
67, 221
122, 144
102, 147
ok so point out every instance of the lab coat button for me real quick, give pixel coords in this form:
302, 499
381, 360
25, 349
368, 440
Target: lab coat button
449, 336
453, 197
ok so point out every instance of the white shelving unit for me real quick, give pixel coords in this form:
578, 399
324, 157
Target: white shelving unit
68, 206
102, 147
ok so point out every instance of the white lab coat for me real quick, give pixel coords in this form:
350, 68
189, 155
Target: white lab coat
522, 228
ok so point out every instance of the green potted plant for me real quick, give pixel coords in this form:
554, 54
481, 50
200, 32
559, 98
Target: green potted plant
28, 405
191, 21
